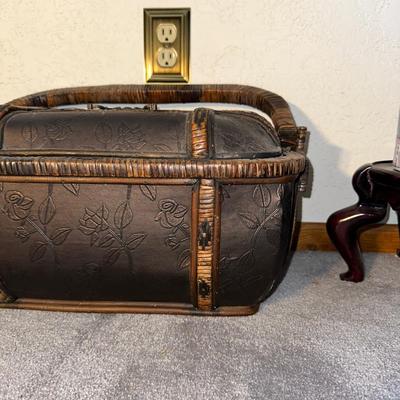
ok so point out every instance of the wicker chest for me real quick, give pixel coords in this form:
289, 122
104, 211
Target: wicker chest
143, 210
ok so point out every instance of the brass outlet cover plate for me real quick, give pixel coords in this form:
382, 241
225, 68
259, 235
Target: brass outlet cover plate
180, 17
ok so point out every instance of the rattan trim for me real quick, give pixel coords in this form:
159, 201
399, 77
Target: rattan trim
199, 133
291, 164
204, 267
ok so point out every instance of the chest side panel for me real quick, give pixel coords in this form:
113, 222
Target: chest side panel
82, 241
256, 223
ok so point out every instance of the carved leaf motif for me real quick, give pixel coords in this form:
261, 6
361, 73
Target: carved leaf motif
180, 212
262, 196
129, 133
150, 191
249, 220
103, 213
29, 133
184, 260
72, 187
60, 235
185, 229
22, 233
162, 147
133, 241
253, 146
251, 280
103, 132
37, 251
225, 262
106, 241
230, 141
132, 133
111, 256
129, 138
92, 268
171, 241
1, 187
123, 215
47, 210
273, 236
247, 260
94, 238
58, 131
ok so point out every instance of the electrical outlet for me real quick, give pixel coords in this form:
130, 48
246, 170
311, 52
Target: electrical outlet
166, 44
166, 33
166, 57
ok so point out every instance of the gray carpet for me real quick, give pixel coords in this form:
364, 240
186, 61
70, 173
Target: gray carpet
316, 338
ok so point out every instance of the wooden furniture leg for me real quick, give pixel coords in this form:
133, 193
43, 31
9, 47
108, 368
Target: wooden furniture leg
344, 225
398, 225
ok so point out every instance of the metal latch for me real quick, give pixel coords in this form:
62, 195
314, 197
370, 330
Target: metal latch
204, 234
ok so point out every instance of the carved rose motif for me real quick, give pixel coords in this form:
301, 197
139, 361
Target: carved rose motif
17, 205
171, 213
59, 130
113, 239
171, 217
92, 221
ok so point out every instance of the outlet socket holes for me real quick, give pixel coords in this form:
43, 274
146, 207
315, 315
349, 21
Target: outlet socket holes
166, 33
166, 57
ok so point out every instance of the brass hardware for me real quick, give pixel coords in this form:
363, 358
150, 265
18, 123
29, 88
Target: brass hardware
156, 46
304, 177
302, 134
204, 234
302, 137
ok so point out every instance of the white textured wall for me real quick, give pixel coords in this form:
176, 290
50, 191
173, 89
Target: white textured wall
337, 62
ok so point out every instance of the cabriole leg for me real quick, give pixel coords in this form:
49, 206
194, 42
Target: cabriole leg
344, 225
398, 226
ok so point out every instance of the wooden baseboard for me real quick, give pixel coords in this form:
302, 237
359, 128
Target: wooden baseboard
380, 238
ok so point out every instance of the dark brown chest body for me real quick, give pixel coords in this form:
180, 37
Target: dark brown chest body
132, 210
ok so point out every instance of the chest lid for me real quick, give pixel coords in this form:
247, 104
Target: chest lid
127, 132
39, 139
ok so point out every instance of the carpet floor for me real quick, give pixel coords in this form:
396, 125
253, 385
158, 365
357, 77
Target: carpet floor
315, 338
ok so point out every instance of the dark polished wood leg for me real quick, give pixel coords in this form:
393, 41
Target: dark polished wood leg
398, 225
344, 225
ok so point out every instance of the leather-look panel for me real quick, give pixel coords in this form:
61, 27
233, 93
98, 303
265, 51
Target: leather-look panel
137, 133
240, 134
256, 222
141, 133
96, 241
